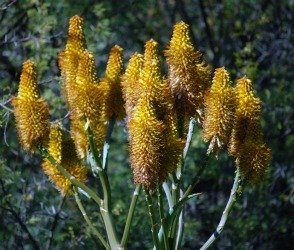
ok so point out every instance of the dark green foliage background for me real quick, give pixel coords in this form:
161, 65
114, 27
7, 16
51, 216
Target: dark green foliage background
247, 37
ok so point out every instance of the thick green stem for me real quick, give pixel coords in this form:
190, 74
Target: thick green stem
106, 204
162, 217
226, 212
152, 220
130, 216
87, 219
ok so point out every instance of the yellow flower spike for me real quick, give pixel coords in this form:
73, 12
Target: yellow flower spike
62, 149
130, 83
219, 111
68, 59
249, 105
151, 79
155, 149
246, 142
115, 65
88, 103
76, 41
111, 84
28, 88
253, 161
247, 117
146, 142
188, 75
30, 110
86, 95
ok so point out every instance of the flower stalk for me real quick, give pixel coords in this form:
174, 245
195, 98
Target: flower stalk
152, 220
162, 217
106, 203
130, 216
226, 212
87, 219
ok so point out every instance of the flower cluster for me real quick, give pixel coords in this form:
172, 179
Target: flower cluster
157, 108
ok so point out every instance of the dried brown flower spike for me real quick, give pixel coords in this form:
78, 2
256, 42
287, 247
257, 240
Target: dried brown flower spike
30, 110
219, 111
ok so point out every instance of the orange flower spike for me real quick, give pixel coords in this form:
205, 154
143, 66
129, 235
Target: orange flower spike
246, 142
155, 148
131, 87
219, 111
111, 84
30, 110
188, 76
61, 148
